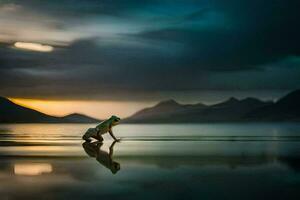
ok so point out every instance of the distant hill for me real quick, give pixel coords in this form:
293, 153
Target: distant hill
232, 110
79, 118
13, 113
162, 111
285, 109
172, 112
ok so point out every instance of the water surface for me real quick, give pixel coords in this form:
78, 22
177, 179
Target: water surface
185, 161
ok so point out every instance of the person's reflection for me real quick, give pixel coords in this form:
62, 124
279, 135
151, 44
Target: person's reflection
93, 149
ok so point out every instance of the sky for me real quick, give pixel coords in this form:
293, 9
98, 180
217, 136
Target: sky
103, 57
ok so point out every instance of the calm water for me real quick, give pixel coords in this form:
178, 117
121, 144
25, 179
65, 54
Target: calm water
186, 161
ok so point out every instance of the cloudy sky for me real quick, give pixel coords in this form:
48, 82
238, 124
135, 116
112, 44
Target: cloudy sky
103, 57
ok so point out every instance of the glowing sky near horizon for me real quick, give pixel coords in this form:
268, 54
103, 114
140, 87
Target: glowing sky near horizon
97, 109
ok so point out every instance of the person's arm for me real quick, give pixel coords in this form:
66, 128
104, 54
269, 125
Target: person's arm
112, 135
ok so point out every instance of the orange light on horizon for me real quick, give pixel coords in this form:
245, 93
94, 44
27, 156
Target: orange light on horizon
96, 109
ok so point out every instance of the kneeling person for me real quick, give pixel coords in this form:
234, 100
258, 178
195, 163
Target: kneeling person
102, 128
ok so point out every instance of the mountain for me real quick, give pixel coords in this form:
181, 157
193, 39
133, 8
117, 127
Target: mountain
79, 118
13, 113
162, 112
285, 109
249, 109
172, 112
232, 110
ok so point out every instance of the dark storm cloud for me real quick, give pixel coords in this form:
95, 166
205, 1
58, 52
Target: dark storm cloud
134, 49
260, 32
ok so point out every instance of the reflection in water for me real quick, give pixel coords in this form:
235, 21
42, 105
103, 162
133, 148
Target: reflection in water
93, 149
144, 177
231, 161
32, 169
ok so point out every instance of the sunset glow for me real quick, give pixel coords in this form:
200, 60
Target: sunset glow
33, 46
97, 109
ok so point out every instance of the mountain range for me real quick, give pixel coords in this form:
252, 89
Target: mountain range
249, 109
14, 113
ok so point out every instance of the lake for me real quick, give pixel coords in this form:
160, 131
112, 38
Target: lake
182, 161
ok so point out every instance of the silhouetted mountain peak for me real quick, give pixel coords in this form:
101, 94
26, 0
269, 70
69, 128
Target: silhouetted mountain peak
249, 101
11, 112
232, 100
159, 109
74, 115
5, 103
4, 100
252, 100
291, 98
168, 103
286, 108
228, 102
78, 117
232, 109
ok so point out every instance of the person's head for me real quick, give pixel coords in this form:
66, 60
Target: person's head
114, 120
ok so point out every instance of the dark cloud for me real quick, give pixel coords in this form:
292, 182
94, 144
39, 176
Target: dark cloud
170, 46
260, 32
